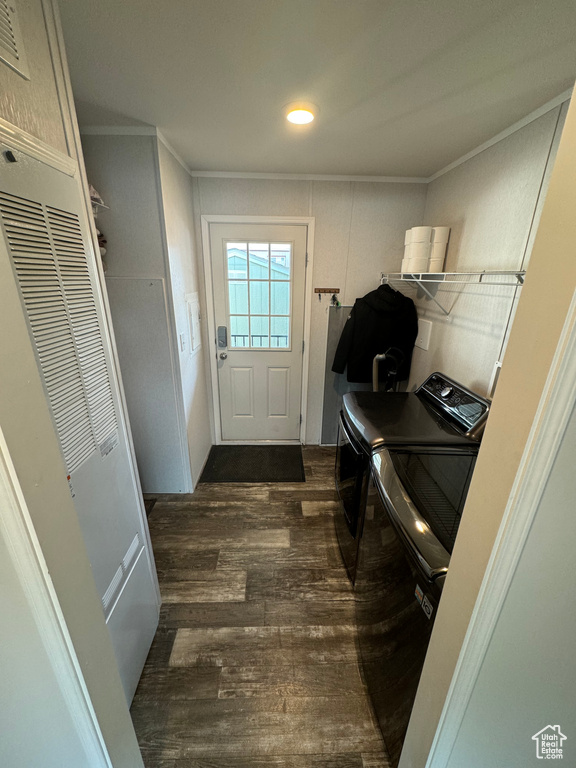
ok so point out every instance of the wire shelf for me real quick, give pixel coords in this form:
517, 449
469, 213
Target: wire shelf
512, 278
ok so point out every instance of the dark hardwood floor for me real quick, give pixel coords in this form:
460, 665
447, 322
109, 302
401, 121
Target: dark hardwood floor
255, 660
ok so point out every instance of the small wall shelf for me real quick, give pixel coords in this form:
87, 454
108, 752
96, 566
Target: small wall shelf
512, 278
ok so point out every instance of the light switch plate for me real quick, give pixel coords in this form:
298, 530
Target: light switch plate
193, 305
424, 331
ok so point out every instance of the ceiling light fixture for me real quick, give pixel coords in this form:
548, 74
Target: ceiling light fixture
300, 113
300, 116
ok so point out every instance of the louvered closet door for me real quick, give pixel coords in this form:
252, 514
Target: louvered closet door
52, 269
11, 43
45, 235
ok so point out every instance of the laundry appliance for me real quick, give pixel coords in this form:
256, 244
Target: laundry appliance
404, 462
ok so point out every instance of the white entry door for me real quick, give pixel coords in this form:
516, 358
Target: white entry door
258, 273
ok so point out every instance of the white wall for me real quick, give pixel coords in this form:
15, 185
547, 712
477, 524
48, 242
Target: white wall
124, 170
176, 186
359, 233
490, 203
152, 266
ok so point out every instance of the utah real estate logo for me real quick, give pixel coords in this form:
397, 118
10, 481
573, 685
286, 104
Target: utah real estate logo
549, 743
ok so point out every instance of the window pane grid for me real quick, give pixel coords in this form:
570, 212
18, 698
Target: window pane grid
259, 296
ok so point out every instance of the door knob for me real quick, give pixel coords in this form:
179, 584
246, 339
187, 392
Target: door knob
223, 355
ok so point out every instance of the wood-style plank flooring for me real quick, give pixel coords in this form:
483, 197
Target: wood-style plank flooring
255, 661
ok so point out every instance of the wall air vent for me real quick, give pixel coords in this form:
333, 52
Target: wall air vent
112, 589
130, 556
11, 46
51, 266
121, 575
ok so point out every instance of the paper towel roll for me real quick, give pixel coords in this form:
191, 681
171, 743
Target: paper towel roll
405, 265
437, 256
438, 251
421, 234
440, 234
407, 251
436, 265
419, 250
418, 264
408, 237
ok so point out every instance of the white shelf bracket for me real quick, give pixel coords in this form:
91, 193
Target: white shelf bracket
434, 299
406, 278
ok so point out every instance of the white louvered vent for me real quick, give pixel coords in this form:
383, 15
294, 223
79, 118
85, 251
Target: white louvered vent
11, 47
69, 248
112, 588
52, 270
131, 552
121, 574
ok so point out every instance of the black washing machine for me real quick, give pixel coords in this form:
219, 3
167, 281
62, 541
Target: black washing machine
404, 463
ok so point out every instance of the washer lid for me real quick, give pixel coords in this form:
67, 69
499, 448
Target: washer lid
380, 419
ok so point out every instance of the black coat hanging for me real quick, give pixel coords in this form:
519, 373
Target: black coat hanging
382, 319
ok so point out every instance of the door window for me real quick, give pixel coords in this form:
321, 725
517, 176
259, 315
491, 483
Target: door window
259, 294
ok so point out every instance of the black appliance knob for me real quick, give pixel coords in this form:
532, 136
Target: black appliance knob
446, 392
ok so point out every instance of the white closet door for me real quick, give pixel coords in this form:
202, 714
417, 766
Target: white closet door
45, 236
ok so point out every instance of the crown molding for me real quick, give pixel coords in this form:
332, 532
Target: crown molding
308, 177
118, 130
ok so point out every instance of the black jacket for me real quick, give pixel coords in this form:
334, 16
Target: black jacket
382, 319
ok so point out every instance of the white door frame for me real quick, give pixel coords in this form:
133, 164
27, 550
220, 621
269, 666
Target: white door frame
306, 221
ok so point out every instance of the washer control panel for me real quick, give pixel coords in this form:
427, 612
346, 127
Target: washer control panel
457, 403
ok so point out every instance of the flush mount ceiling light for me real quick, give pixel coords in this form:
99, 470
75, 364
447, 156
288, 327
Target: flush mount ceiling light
300, 116
300, 112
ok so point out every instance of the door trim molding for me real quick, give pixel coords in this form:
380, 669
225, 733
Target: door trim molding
548, 428
17, 530
303, 221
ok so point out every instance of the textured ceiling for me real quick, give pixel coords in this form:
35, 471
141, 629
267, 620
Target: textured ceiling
404, 87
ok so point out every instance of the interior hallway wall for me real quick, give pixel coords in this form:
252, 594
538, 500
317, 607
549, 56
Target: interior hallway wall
359, 233
124, 170
152, 270
176, 186
492, 203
